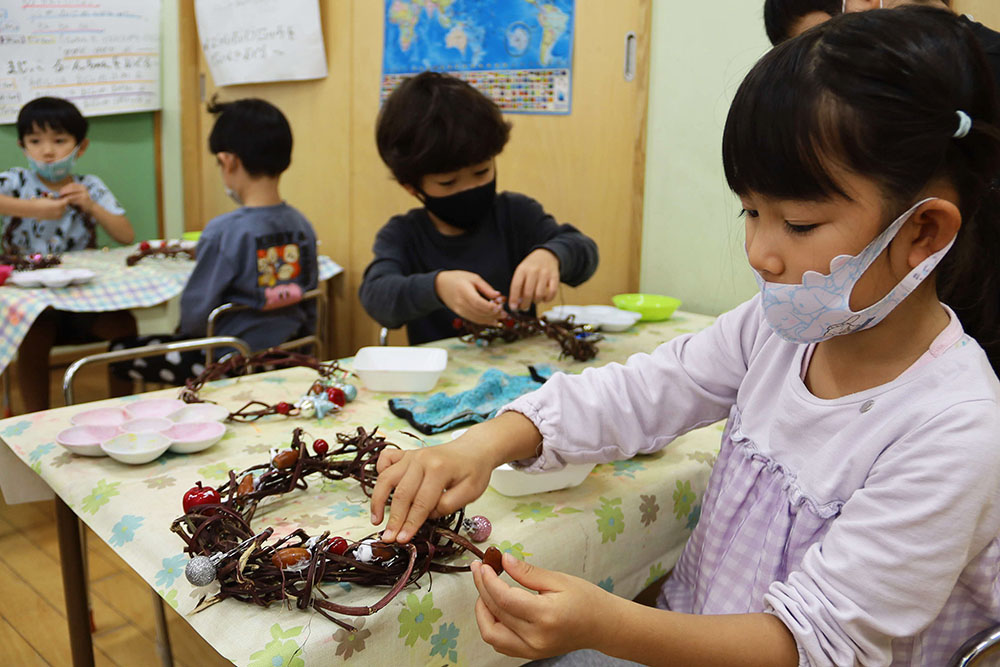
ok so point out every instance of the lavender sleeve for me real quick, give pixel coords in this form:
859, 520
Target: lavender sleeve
617, 411
901, 544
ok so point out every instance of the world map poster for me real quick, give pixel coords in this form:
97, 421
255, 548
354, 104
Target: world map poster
517, 52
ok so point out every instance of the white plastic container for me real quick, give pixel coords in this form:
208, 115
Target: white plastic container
512, 482
86, 440
153, 407
99, 417
190, 437
410, 369
605, 318
136, 448
200, 412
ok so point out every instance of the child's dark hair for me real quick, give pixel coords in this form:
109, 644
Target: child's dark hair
877, 93
781, 15
255, 131
435, 123
53, 113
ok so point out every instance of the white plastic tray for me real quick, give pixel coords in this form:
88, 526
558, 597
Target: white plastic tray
605, 318
51, 277
412, 369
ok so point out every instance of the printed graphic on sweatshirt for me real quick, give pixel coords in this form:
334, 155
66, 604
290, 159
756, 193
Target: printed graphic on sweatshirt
277, 266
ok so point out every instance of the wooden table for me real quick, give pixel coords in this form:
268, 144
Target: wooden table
622, 528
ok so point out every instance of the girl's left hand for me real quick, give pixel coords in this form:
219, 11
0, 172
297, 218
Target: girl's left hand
567, 614
76, 194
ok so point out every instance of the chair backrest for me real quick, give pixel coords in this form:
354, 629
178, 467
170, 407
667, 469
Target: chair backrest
148, 351
978, 648
317, 338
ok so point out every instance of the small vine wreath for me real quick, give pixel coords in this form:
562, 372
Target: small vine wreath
576, 340
29, 262
223, 546
160, 249
329, 393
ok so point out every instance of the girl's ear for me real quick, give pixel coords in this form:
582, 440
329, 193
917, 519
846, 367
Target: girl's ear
82, 147
936, 224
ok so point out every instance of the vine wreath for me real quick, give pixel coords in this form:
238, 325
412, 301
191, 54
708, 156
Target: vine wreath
223, 546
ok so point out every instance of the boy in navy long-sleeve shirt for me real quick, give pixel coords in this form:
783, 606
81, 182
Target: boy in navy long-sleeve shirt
467, 245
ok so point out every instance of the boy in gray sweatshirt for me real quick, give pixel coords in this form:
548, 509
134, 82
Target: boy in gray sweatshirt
262, 255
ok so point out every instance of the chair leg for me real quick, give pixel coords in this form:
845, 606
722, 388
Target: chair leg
162, 633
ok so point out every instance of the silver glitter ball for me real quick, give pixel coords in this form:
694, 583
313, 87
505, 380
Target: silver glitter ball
200, 571
350, 391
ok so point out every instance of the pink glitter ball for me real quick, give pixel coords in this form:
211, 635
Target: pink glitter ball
478, 527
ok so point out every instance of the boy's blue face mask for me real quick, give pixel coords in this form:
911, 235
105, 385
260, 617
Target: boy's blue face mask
54, 171
465, 209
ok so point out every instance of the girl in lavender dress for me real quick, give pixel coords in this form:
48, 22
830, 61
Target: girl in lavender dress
853, 514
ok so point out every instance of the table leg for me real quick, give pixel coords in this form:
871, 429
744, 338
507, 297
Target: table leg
162, 633
74, 585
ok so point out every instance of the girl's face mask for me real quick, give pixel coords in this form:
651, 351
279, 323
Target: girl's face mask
54, 172
818, 308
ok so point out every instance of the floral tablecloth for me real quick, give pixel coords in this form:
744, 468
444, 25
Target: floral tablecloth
622, 528
117, 286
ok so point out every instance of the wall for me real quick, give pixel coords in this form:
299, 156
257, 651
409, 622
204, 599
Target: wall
986, 12
692, 238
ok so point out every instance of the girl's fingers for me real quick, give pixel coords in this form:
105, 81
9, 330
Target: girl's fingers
387, 458
423, 503
531, 576
406, 489
458, 496
387, 480
497, 635
479, 574
516, 607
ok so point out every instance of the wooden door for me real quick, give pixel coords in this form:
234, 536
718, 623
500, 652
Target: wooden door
986, 12
586, 168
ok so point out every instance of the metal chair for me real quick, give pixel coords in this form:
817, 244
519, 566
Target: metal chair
317, 338
383, 336
79, 616
982, 645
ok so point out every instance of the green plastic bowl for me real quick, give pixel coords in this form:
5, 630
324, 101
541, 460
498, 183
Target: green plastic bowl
191, 236
652, 307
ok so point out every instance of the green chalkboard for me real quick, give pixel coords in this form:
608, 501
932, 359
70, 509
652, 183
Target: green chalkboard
121, 153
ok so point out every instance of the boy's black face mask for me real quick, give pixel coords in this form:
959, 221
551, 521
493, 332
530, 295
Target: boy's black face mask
466, 209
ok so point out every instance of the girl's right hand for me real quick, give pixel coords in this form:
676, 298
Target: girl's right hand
469, 296
436, 481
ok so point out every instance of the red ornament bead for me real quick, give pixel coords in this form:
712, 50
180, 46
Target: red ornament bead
336, 396
200, 495
144, 246
457, 323
320, 446
509, 322
283, 408
337, 545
